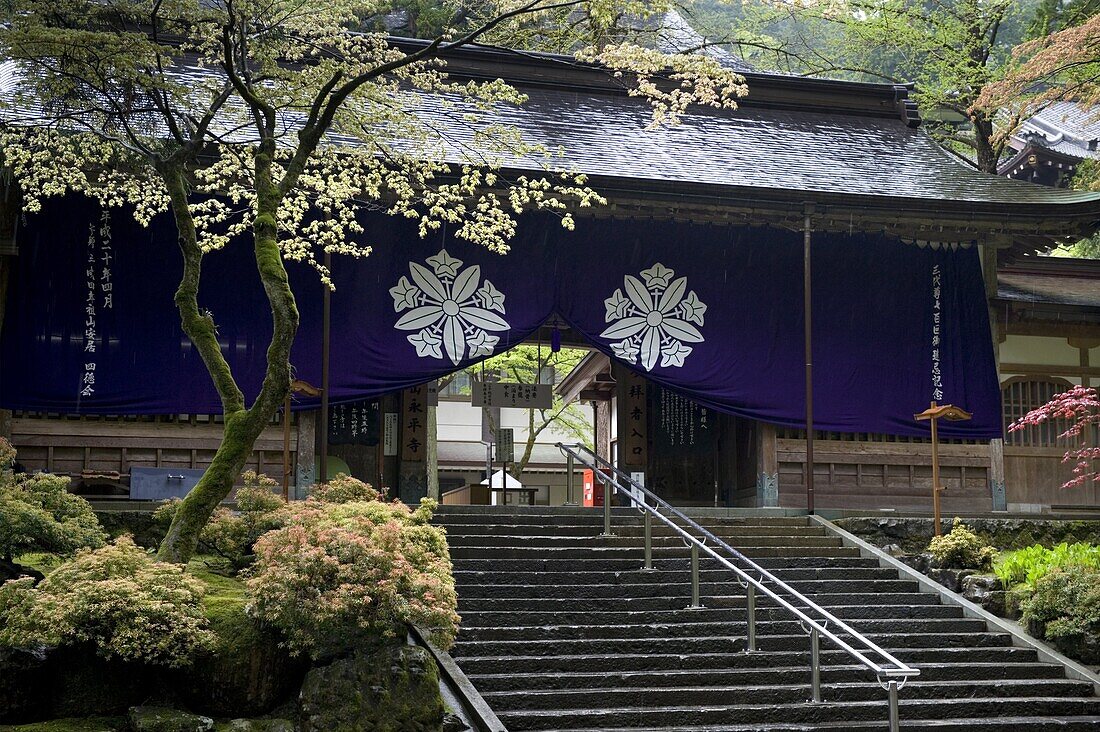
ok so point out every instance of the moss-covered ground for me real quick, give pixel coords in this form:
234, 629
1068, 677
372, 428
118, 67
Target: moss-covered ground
224, 604
41, 561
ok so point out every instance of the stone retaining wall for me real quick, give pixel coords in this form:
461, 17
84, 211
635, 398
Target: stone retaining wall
913, 534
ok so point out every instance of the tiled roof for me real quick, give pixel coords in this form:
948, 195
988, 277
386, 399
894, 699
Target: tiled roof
1052, 280
1065, 127
761, 148
676, 35
776, 143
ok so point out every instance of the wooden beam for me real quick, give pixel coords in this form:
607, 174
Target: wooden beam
1049, 369
594, 395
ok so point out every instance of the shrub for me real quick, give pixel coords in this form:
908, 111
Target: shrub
37, 513
961, 548
1030, 564
1067, 601
7, 454
230, 534
115, 598
343, 489
343, 575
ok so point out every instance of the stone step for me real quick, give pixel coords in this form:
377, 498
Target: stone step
558, 700
808, 588
562, 631
679, 602
686, 629
470, 578
588, 563
475, 618
664, 661
731, 531
636, 553
696, 716
890, 642
756, 675
533, 541
1001, 724
446, 515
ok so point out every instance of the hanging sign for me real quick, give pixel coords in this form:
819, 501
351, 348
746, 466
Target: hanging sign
506, 449
414, 425
354, 423
937, 312
522, 396
389, 440
633, 420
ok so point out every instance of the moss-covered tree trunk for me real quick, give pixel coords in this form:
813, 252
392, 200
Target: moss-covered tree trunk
243, 425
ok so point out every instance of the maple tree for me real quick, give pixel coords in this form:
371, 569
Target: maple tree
1079, 407
276, 122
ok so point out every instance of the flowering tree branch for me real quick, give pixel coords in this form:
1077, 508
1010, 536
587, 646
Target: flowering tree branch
1080, 409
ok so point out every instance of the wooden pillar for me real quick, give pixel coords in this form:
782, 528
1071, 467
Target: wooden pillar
997, 475
305, 473
432, 446
602, 409
412, 476
997, 490
767, 465
1083, 346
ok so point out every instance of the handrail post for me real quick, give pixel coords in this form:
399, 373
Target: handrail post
569, 478
892, 691
815, 664
750, 605
695, 604
608, 494
648, 520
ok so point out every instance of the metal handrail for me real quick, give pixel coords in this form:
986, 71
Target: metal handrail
888, 666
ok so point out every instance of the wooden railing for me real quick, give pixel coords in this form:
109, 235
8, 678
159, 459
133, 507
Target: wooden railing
897, 475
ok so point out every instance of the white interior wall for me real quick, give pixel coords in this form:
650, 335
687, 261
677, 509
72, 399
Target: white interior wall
1039, 350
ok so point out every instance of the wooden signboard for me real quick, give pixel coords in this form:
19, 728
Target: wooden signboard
520, 396
633, 420
354, 423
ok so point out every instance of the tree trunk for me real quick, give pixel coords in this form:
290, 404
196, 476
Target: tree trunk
242, 426
241, 431
520, 465
986, 154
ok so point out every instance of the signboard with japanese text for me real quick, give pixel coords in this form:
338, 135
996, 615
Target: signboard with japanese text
507, 394
633, 420
389, 442
354, 423
414, 424
412, 476
506, 450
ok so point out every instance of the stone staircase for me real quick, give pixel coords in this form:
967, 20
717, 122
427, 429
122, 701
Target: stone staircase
561, 630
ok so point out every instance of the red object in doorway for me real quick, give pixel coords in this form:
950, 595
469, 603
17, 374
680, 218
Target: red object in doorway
592, 489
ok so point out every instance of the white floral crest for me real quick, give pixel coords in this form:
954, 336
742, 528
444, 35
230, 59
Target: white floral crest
450, 313
653, 321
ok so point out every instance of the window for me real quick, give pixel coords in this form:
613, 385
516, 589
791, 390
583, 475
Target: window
1021, 394
459, 386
